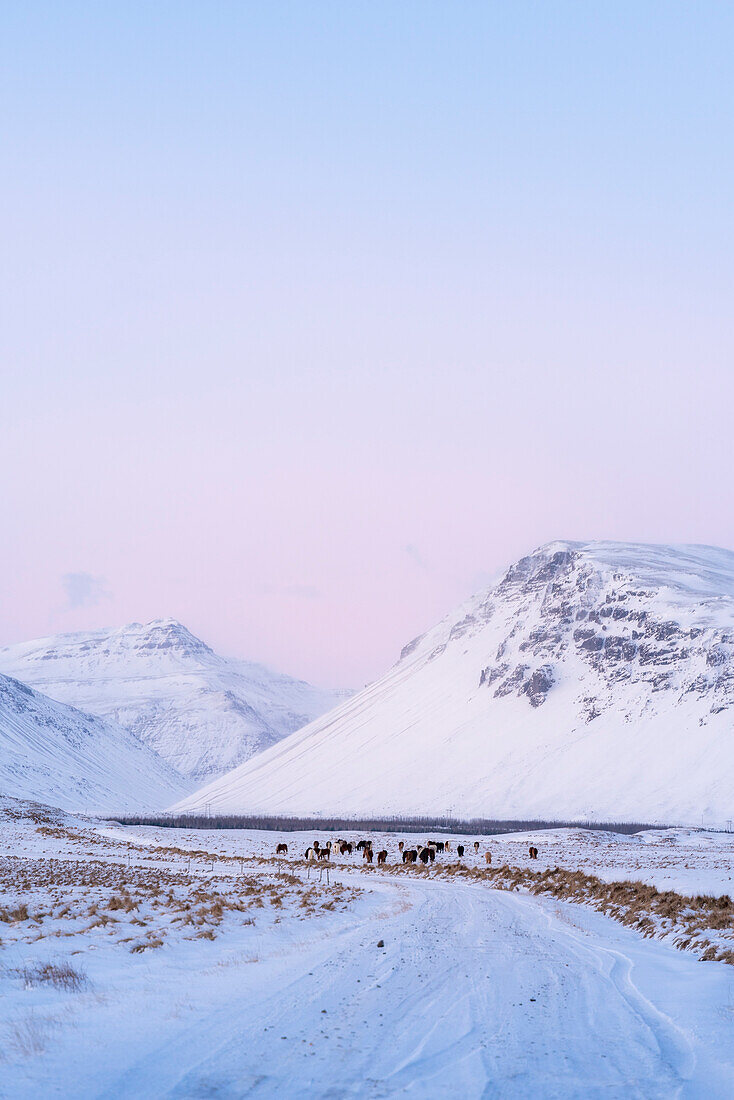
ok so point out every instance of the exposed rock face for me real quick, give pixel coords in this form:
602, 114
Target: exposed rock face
565, 607
538, 684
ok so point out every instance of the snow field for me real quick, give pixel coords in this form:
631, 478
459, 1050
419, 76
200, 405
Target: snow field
686, 860
473, 991
668, 883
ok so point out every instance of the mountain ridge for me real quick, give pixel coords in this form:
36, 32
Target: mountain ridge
56, 754
570, 688
201, 712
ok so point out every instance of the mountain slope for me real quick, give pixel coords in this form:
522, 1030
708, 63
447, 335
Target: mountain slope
201, 712
593, 680
53, 753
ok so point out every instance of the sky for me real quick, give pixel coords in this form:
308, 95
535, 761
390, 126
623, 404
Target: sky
313, 316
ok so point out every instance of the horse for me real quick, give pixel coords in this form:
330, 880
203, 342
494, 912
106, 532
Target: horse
381, 857
487, 857
281, 850
533, 852
311, 856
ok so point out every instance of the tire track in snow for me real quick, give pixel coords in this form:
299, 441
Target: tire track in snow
674, 1045
477, 993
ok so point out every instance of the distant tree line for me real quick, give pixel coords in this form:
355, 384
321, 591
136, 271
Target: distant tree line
476, 826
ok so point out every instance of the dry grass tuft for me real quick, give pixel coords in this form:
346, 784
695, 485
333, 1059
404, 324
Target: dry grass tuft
13, 916
29, 1036
61, 975
636, 904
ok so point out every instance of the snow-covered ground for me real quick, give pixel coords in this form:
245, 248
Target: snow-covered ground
687, 860
275, 984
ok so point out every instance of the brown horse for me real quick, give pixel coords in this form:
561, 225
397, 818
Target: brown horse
381, 857
487, 857
533, 852
281, 850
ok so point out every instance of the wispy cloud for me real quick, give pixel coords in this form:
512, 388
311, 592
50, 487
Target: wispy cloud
415, 555
84, 590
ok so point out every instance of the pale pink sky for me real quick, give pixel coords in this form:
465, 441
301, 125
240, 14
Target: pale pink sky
309, 326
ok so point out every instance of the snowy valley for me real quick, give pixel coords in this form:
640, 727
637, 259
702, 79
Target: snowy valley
141, 962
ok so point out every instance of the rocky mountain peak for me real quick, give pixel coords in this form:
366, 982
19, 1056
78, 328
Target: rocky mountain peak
163, 635
592, 678
567, 606
201, 711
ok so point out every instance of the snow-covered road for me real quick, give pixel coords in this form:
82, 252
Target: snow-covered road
475, 993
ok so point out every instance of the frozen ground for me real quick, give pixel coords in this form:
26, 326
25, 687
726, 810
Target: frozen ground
688, 860
473, 992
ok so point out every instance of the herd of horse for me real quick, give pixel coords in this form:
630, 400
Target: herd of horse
423, 853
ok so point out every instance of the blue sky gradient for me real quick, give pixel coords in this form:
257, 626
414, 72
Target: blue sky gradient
354, 300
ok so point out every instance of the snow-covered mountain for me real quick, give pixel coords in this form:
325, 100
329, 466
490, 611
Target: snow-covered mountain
52, 753
593, 680
202, 713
